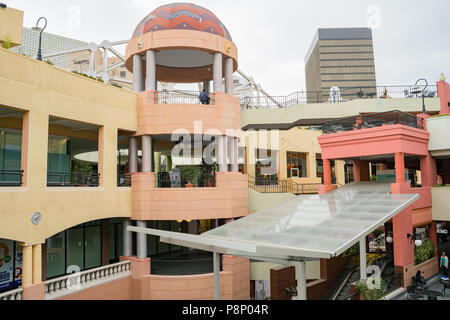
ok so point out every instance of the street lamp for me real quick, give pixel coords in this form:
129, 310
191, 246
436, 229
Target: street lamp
416, 90
37, 28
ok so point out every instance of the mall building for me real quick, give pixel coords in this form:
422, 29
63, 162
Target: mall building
85, 165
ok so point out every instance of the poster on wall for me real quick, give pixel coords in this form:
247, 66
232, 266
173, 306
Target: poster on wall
6, 264
18, 265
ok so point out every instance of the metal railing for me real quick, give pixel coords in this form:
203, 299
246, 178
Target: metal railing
124, 180
343, 95
73, 179
178, 97
12, 295
11, 178
263, 185
372, 121
71, 283
169, 180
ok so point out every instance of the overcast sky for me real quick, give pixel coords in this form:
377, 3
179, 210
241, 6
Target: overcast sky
411, 37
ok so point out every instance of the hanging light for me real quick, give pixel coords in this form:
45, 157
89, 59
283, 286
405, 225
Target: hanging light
418, 243
389, 238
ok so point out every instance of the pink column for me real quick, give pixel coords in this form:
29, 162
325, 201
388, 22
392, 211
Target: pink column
433, 237
403, 248
400, 167
327, 172
428, 171
356, 171
444, 95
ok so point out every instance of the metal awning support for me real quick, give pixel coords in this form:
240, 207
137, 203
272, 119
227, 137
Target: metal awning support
216, 263
363, 259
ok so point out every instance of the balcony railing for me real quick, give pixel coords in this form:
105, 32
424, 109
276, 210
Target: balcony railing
263, 185
176, 180
124, 180
12, 295
72, 283
11, 178
372, 121
73, 179
178, 97
330, 96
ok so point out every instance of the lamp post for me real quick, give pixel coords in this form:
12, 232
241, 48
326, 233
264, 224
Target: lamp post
416, 90
37, 28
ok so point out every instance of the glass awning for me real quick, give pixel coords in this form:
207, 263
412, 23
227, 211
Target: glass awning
316, 226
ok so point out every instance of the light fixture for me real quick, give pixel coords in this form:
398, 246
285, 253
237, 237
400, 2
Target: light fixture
37, 28
415, 239
417, 90
389, 238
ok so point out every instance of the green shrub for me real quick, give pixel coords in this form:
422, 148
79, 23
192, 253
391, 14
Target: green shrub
425, 252
6, 43
442, 186
371, 294
85, 75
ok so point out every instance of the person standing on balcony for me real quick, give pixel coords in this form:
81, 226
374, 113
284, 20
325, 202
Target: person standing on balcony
204, 97
444, 265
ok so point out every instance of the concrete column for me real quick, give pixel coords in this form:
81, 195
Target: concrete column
133, 155
400, 167
150, 79
363, 259
147, 153
218, 73
169, 163
216, 266
300, 274
141, 241
207, 86
428, 171
27, 266
157, 162
235, 164
127, 239
327, 172
137, 73
229, 89
222, 154
37, 264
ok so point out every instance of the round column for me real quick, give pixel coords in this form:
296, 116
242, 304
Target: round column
37, 264
141, 241
133, 155
229, 89
218, 73
150, 79
27, 266
146, 153
137, 73
127, 239
222, 154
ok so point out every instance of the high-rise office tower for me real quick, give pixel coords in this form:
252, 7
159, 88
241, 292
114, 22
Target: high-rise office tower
342, 58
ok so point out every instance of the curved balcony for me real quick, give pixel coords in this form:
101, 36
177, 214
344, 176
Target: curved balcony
228, 199
163, 113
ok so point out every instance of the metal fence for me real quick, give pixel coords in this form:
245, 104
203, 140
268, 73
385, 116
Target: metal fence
178, 97
11, 178
264, 185
338, 96
372, 121
73, 179
168, 180
124, 180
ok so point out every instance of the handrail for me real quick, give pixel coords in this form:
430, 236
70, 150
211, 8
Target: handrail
282, 186
66, 284
12, 295
16, 174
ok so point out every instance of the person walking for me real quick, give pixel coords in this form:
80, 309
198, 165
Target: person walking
444, 265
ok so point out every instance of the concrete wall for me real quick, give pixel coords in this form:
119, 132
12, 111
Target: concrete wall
441, 204
11, 25
40, 91
430, 267
115, 290
258, 201
439, 144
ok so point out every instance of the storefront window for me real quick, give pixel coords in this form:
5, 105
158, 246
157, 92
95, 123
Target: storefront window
296, 165
10, 265
56, 251
266, 167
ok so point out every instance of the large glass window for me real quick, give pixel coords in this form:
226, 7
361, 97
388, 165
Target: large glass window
10, 155
56, 255
115, 240
296, 165
266, 167
154, 246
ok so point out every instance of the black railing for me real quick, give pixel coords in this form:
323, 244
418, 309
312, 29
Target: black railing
336, 96
264, 185
171, 180
11, 178
178, 97
372, 121
73, 179
124, 180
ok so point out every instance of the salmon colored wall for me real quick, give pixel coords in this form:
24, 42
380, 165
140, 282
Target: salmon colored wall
114, 290
389, 139
165, 119
430, 268
444, 95
228, 200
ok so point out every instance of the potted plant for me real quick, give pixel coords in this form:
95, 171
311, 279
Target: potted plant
190, 175
371, 292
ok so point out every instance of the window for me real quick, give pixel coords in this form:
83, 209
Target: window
296, 165
266, 167
123, 74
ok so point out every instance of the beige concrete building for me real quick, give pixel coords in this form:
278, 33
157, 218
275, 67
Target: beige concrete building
343, 58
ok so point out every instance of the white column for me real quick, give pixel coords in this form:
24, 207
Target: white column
127, 239
141, 241
222, 154
147, 153
235, 163
216, 266
218, 73
137, 73
229, 89
362, 259
150, 79
133, 155
300, 274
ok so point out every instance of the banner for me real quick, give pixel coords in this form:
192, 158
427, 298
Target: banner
6, 264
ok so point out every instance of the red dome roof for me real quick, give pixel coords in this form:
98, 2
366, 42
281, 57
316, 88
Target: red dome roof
181, 16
